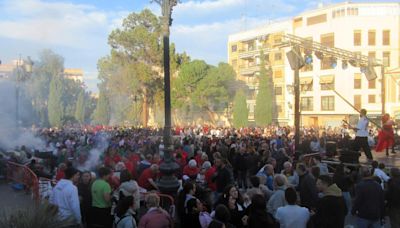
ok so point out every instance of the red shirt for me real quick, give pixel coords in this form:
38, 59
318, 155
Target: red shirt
116, 158
108, 162
208, 175
191, 172
198, 160
60, 175
135, 159
144, 179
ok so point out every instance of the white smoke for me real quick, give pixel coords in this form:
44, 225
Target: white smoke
101, 141
11, 136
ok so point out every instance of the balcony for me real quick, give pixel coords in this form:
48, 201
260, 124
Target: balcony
252, 51
248, 70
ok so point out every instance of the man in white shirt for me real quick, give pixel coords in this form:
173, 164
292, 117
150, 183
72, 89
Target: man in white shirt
65, 196
292, 215
362, 134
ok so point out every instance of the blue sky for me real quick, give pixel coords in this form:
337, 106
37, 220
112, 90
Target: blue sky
78, 29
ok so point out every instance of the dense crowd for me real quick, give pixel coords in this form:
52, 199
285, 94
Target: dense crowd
250, 177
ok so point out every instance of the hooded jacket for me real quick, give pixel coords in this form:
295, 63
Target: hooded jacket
331, 209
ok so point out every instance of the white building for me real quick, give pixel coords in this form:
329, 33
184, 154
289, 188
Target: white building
371, 29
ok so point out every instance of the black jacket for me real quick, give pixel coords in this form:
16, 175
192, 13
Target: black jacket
308, 191
222, 178
370, 201
331, 209
393, 193
241, 162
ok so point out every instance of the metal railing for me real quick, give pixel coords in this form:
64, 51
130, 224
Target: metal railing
23, 175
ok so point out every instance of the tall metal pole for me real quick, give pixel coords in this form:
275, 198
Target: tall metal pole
297, 109
168, 183
383, 90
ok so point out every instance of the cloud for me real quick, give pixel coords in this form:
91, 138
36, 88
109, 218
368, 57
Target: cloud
56, 23
209, 41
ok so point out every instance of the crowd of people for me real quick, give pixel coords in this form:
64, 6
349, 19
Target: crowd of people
249, 177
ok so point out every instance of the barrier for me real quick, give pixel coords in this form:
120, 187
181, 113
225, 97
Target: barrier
167, 202
23, 175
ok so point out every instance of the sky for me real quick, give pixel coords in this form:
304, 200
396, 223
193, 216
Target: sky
78, 29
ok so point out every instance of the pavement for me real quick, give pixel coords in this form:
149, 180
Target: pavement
11, 199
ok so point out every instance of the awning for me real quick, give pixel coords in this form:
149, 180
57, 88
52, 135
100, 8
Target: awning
326, 79
306, 81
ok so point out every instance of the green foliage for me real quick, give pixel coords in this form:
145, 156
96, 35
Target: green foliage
48, 66
240, 110
263, 109
200, 87
56, 106
80, 108
101, 114
134, 66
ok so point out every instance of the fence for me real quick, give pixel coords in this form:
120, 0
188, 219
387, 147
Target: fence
23, 175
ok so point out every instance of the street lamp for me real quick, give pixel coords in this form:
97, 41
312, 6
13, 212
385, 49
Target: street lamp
168, 183
27, 69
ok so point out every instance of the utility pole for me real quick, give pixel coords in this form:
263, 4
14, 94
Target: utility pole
168, 183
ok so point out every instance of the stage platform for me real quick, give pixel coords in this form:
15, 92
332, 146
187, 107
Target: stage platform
393, 160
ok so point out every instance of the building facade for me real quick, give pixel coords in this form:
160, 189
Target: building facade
370, 29
73, 74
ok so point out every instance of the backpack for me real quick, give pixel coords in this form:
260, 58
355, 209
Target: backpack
115, 225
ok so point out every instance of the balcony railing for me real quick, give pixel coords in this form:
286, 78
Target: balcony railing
249, 70
251, 52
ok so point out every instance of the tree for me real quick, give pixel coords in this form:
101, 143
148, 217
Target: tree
80, 108
56, 106
263, 109
240, 110
48, 66
101, 114
213, 93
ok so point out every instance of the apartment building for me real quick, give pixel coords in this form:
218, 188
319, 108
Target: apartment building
370, 29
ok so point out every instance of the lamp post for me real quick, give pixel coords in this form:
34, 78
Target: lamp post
27, 68
168, 183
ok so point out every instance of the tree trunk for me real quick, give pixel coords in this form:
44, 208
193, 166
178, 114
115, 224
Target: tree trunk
211, 115
145, 111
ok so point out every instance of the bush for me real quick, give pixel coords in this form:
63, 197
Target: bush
43, 216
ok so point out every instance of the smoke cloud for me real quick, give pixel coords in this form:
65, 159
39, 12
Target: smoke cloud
101, 143
12, 137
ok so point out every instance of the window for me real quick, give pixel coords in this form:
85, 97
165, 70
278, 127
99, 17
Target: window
386, 59
278, 56
327, 82
278, 74
372, 84
357, 38
234, 62
316, 19
357, 101
307, 104
352, 11
386, 37
279, 108
306, 84
371, 99
328, 39
371, 37
278, 90
328, 103
357, 81
371, 55
298, 22
234, 48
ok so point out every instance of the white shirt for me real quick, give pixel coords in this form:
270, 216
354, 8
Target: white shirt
362, 127
65, 196
292, 216
382, 175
